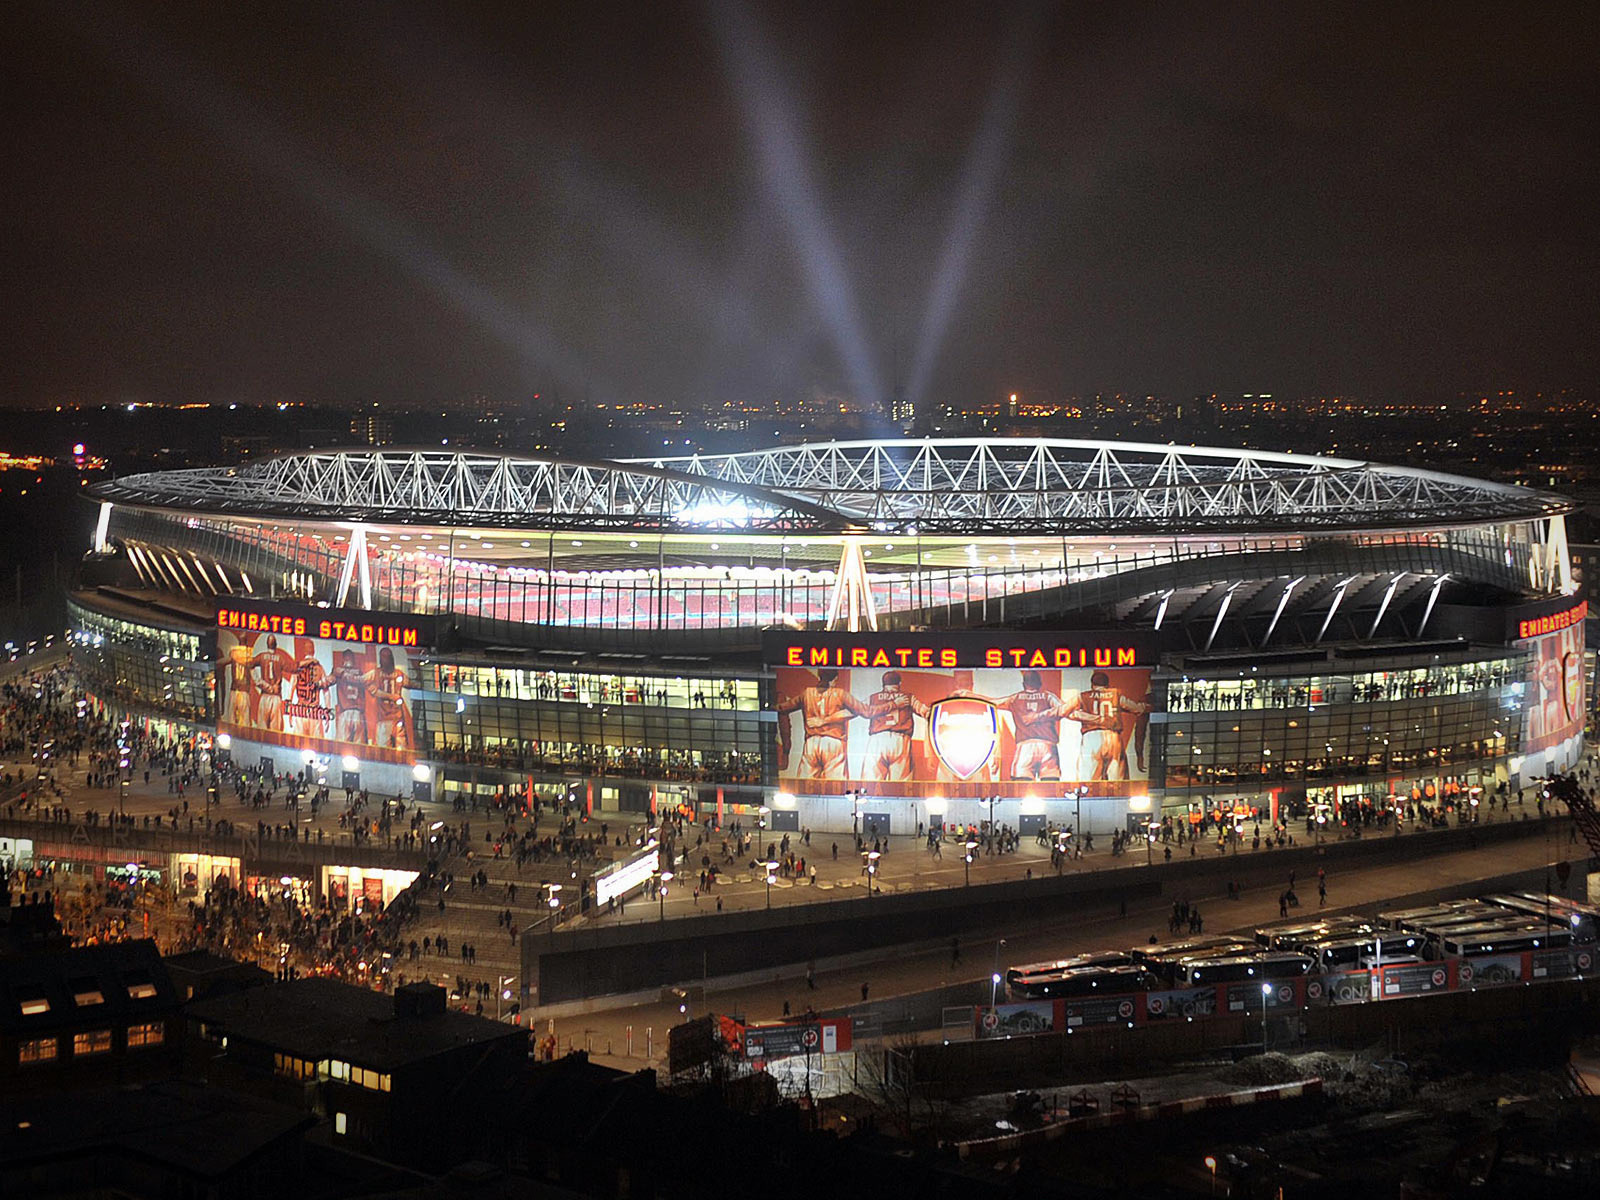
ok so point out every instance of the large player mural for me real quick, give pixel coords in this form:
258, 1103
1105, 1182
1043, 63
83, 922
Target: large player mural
1018, 725
344, 693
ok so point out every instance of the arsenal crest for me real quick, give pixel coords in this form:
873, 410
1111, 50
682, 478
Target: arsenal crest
964, 733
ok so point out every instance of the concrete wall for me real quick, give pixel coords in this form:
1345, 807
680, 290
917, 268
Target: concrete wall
600, 959
1550, 1011
604, 959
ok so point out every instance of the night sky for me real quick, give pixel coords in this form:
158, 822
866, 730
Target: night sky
692, 203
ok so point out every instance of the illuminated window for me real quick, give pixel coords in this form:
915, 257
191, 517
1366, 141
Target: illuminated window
95, 1041
149, 1033
339, 1070
37, 1050
141, 990
371, 1080
87, 994
291, 1067
35, 1006
339, 1123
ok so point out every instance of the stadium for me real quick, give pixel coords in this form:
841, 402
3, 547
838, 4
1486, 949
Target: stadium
849, 636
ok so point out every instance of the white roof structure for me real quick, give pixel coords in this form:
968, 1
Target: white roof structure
961, 487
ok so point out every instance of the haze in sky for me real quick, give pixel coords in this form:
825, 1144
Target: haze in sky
697, 202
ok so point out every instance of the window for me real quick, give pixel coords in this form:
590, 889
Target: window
149, 1033
291, 1067
37, 1050
141, 989
339, 1070
95, 1041
33, 1006
339, 1123
371, 1080
86, 993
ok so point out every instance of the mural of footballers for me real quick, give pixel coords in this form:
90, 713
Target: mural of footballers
389, 691
1100, 712
233, 670
321, 694
889, 729
273, 668
350, 689
826, 709
1036, 715
956, 731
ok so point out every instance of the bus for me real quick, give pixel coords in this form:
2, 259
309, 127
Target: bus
1498, 939
1020, 981
1204, 970
1084, 981
1197, 945
1364, 951
1583, 920
1433, 914
1292, 937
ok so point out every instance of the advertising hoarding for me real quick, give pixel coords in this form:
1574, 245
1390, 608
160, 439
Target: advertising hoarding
324, 680
1555, 703
968, 714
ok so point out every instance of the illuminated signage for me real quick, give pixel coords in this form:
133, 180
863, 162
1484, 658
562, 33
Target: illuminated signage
955, 715
320, 680
621, 878
360, 632
959, 651
1553, 622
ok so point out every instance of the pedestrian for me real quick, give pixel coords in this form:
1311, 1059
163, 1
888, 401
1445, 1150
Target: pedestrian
811, 976
1322, 892
955, 951
719, 903
863, 993
786, 1010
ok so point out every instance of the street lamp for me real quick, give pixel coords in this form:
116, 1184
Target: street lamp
666, 878
994, 978
1150, 843
1266, 990
872, 869
771, 867
502, 992
966, 862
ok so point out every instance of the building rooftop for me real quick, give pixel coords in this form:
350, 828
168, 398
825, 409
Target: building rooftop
320, 1019
188, 1127
87, 985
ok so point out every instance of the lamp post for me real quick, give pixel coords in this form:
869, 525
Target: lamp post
1150, 843
770, 868
502, 991
1266, 990
666, 878
872, 869
994, 978
966, 862
1077, 818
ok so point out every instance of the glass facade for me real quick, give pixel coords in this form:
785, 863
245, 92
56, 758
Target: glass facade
1252, 733
143, 666
684, 728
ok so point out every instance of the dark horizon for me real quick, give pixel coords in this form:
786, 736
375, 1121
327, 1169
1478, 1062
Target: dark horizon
702, 202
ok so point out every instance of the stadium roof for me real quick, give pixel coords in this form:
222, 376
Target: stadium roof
954, 487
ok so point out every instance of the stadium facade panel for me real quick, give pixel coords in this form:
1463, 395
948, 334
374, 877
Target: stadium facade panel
867, 635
